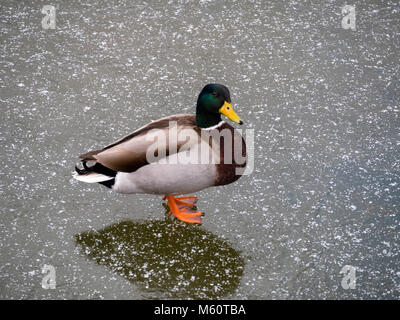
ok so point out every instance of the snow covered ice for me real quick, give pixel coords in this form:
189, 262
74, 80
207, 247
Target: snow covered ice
324, 105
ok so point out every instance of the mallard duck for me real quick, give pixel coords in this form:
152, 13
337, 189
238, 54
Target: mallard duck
142, 162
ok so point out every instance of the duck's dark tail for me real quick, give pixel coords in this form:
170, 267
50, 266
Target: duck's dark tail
95, 174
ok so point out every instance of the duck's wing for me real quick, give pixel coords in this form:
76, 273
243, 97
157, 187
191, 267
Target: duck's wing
130, 152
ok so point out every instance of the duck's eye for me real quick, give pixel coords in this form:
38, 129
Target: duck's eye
214, 94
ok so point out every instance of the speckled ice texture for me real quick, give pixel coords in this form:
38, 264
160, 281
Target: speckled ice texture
324, 105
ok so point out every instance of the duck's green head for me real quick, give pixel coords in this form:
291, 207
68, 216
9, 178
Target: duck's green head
213, 101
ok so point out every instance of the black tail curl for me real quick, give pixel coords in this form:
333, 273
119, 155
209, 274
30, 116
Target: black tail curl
85, 169
82, 171
98, 168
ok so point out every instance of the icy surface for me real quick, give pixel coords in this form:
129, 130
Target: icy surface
324, 104
173, 260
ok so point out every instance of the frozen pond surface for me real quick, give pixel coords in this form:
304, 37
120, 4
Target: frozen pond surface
324, 105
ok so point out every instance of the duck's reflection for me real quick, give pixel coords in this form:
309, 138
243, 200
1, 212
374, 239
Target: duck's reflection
172, 258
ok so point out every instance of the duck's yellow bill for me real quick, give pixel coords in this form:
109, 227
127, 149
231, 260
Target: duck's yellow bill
228, 111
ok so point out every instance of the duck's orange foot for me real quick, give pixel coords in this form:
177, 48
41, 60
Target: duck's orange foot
182, 208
